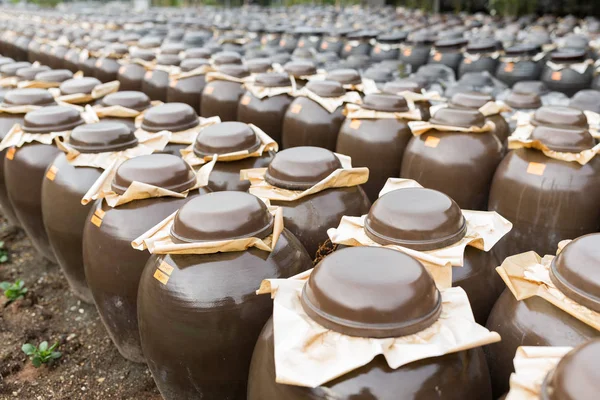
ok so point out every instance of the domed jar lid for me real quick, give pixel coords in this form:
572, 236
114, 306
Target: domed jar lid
483, 46
12, 68
272, 79
82, 85
523, 101
190, 64
104, 136
523, 49
378, 74
559, 116
371, 292
226, 57
470, 100
300, 68
447, 44
162, 170
569, 55
28, 96
174, 117
563, 140
345, 76
54, 75
417, 218
235, 70
326, 88
225, 138
576, 271
402, 85
535, 87
131, 99
29, 73
586, 100
576, 375
5, 60
458, 117
385, 102
259, 65
198, 52
300, 168
392, 37
222, 216
168, 59
52, 119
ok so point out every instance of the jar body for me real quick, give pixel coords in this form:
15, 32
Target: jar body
71, 60
65, 217
187, 91
567, 80
6, 123
226, 174
513, 72
88, 66
415, 56
266, 113
107, 69
487, 64
220, 98
155, 84
131, 76
451, 59
501, 128
24, 175
181, 322
455, 376
378, 54
363, 49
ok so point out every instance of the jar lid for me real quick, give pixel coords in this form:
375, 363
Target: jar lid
5, 60
450, 43
168, 59
224, 138
345, 76
458, 117
417, 218
576, 376
172, 48
523, 101
198, 52
174, 117
385, 102
586, 100
483, 46
190, 64
564, 140
371, 292
300, 168
392, 37
479, 79
272, 79
134, 100
303, 53
300, 68
235, 70
470, 100
81, 85
259, 65
163, 170
403, 85
326, 88
28, 73
378, 74
104, 136
149, 42
568, 55
559, 116
117, 48
142, 54
226, 57
11, 69
52, 119
28, 96
523, 49
54, 75
222, 216
575, 271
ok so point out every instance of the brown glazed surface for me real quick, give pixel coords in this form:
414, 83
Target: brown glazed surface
476, 100
226, 174
113, 268
456, 376
155, 84
6, 123
311, 126
570, 190
220, 98
107, 69
188, 91
531, 322
131, 76
458, 164
266, 113
198, 331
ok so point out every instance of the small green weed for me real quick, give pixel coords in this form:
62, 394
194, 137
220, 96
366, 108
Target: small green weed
41, 354
14, 291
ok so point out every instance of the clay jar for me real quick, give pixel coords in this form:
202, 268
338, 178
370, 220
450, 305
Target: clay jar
131, 75
483, 51
387, 46
156, 82
526, 68
416, 51
474, 101
459, 164
528, 183
137, 101
56, 76
410, 85
220, 97
378, 144
567, 80
586, 100
79, 85
309, 217
186, 351
106, 69
112, 267
300, 70
29, 73
535, 321
307, 123
173, 117
448, 52
71, 59
24, 172
224, 138
15, 98
266, 113
523, 102
62, 191
358, 43
188, 90
343, 296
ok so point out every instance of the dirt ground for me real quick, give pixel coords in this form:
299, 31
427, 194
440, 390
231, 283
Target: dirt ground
90, 367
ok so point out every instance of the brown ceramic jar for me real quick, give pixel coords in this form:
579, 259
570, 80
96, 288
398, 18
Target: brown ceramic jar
15, 98
172, 117
483, 50
25, 169
300, 69
87, 66
79, 85
525, 69
343, 296
476, 100
378, 144
71, 59
112, 267
131, 75
188, 90
156, 82
186, 350
307, 123
130, 99
309, 217
62, 190
266, 113
520, 102
567, 80
106, 69
56, 76
586, 100
535, 321
410, 85
224, 138
448, 52
459, 164
29, 73
220, 98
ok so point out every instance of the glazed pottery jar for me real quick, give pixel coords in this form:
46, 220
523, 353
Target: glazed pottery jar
534, 321
259, 65
112, 267
309, 38
71, 59
221, 95
272, 36
358, 43
379, 75
308, 123
387, 46
52, 78
301, 70
568, 71
80, 90
25, 167
107, 66
346, 312
333, 40
351, 79
523, 105
375, 136
183, 342
448, 52
586, 100
156, 81
29, 73
135, 103
441, 158
188, 90
474, 101
226, 58
416, 50
521, 62
481, 55
8, 74
87, 60
13, 99
528, 182
289, 40
265, 102
226, 138
55, 56
410, 85
435, 77
63, 188
132, 74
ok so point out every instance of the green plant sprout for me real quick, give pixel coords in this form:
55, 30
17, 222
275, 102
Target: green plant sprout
42, 354
14, 291
3, 253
